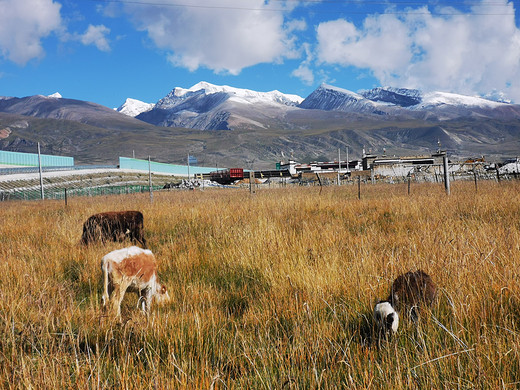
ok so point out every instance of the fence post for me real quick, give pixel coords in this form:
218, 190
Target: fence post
498, 173
339, 166
446, 175
475, 177
65, 197
319, 179
359, 187
409, 180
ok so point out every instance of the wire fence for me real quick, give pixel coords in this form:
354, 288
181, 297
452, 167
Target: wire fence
64, 193
114, 182
74, 184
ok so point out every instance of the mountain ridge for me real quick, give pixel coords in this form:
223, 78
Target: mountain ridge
260, 129
206, 106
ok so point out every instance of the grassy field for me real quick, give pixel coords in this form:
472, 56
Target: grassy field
270, 290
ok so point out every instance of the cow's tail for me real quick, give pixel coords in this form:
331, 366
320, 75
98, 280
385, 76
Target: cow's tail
104, 267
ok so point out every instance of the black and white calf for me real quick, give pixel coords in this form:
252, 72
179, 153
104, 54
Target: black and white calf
386, 318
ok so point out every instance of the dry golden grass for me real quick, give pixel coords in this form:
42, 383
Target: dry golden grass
270, 290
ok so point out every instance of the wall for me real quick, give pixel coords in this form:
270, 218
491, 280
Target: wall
31, 159
178, 170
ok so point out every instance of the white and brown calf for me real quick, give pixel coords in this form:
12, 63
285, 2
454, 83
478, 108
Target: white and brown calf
131, 269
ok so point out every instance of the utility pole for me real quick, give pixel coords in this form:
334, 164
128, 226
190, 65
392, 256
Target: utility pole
347, 162
446, 175
150, 179
188, 166
339, 166
40, 169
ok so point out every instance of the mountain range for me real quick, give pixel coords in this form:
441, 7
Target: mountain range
225, 126
209, 107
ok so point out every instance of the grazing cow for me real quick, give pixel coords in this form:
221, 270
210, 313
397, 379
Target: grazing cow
114, 226
410, 290
135, 270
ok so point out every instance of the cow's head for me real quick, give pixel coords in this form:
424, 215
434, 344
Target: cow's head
161, 295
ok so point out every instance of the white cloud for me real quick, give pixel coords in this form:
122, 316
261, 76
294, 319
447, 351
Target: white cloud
225, 38
381, 45
478, 52
96, 35
23, 24
304, 71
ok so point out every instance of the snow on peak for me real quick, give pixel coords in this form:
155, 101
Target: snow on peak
134, 107
237, 94
446, 98
55, 95
341, 90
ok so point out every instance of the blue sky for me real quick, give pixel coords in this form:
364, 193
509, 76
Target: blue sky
105, 51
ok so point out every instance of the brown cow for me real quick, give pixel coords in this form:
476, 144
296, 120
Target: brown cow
114, 226
135, 270
412, 289
409, 290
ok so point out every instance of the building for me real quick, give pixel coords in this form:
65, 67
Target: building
296, 168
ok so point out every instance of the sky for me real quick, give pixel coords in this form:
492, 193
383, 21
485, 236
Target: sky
105, 51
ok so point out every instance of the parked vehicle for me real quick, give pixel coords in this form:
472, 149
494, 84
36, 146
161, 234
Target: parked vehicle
227, 176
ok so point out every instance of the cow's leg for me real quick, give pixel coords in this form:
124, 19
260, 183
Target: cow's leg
146, 299
107, 285
118, 295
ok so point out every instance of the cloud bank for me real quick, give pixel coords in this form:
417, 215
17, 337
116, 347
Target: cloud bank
23, 25
477, 52
222, 37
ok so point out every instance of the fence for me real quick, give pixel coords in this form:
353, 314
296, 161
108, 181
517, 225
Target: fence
115, 181
408, 174
134, 176
64, 193
80, 184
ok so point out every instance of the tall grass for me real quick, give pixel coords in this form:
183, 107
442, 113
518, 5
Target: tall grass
270, 290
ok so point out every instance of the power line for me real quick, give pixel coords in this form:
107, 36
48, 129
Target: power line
344, 2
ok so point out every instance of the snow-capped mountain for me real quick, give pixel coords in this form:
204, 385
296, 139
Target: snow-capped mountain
239, 95
134, 107
57, 107
207, 106
211, 107
264, 123
404, 102
435, 99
